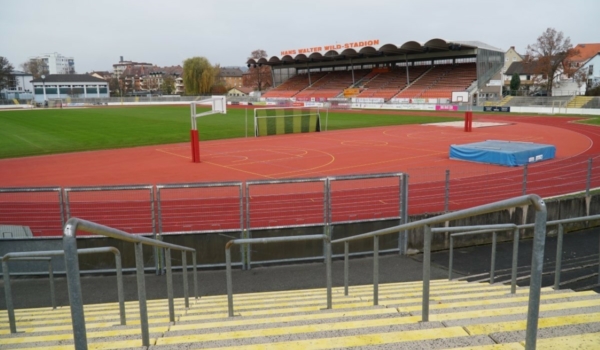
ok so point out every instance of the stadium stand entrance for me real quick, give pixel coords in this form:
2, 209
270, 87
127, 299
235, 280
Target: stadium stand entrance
408, 73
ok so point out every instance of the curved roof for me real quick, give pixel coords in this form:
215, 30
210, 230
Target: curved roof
408, 48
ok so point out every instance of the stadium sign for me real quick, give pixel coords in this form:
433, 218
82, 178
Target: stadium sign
351, 45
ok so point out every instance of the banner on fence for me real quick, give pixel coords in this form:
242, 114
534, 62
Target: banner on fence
496, 109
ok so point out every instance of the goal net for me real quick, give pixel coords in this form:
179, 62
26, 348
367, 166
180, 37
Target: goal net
279, 121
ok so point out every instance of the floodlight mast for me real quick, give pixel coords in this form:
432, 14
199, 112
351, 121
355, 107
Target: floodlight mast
218, 105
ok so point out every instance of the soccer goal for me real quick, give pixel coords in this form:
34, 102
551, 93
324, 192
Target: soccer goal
218, 104
281, 120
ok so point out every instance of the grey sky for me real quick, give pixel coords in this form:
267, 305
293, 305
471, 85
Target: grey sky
165, 32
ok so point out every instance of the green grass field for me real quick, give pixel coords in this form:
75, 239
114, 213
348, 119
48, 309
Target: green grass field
48, 131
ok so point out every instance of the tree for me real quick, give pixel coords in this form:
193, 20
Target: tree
515, 84
168, 84
5, 72
198, 76
35, 67
550, 52
259, 76
113, 86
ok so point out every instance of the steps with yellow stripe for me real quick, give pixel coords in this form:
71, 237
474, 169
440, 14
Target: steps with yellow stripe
579, 101
462, 315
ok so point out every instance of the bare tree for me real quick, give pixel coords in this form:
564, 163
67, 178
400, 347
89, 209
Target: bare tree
35, 67
548, 55
259, 76
168, 84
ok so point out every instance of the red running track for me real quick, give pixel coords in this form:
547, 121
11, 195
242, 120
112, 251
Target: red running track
419, 150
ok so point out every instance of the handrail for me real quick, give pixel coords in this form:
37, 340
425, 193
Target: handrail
559, 245
536, 266
47, 256
74, 283
493, 229
251, 241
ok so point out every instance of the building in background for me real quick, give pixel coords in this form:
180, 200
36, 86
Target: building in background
119, 68
231, 77
19, 86
65, 86
57, 63
106, 75
143, 80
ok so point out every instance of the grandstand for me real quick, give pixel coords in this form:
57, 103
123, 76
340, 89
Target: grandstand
408, 73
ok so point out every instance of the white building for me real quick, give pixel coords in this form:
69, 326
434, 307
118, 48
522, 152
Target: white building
63, 86
19, 86
57, 63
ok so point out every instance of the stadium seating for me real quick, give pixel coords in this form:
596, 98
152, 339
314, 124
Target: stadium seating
387, 84
293, 85
440, 81
331, 85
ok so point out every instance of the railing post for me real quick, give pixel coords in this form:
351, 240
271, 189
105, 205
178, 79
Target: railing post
195, 272
375, 270
559, 250
447, 192
328, 272
326, 203
525, 179
229, 280
493, 263
120, 292
51, 277
403, 236
588, 181
426, 272
537, 264
186, 293
170, 284
74, 286
10, 308
451, 258
141, 287
346, 266
515, 261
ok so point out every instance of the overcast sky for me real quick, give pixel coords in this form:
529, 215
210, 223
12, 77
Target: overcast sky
166, 32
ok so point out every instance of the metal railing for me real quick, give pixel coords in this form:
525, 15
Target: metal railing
559, 245
537, 261
47, 256
250, 241
458, 231
74, 283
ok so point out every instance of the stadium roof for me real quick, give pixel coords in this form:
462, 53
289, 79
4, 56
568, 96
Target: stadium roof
412, 49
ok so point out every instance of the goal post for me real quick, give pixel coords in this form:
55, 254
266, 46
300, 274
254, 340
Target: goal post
281, 120
217, 104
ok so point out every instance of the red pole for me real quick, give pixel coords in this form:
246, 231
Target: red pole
466, 121
195, 146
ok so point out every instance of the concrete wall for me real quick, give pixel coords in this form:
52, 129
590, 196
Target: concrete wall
211, 246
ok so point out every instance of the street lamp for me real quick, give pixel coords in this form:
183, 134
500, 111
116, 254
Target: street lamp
44, 87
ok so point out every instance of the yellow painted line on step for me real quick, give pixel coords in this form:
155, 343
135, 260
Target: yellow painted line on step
318, 304
89, 319
457, 289
123, 344
357, 340
302, 309
589, 341
440, 295
270, 332
108, 311
505, 346
313, 298
272, 304
68, 327
512, 310
69, 336
542, 323
237, 321
489, 301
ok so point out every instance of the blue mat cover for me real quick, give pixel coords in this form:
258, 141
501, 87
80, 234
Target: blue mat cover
509, 153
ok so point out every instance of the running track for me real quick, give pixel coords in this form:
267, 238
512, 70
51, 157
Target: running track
419, 150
